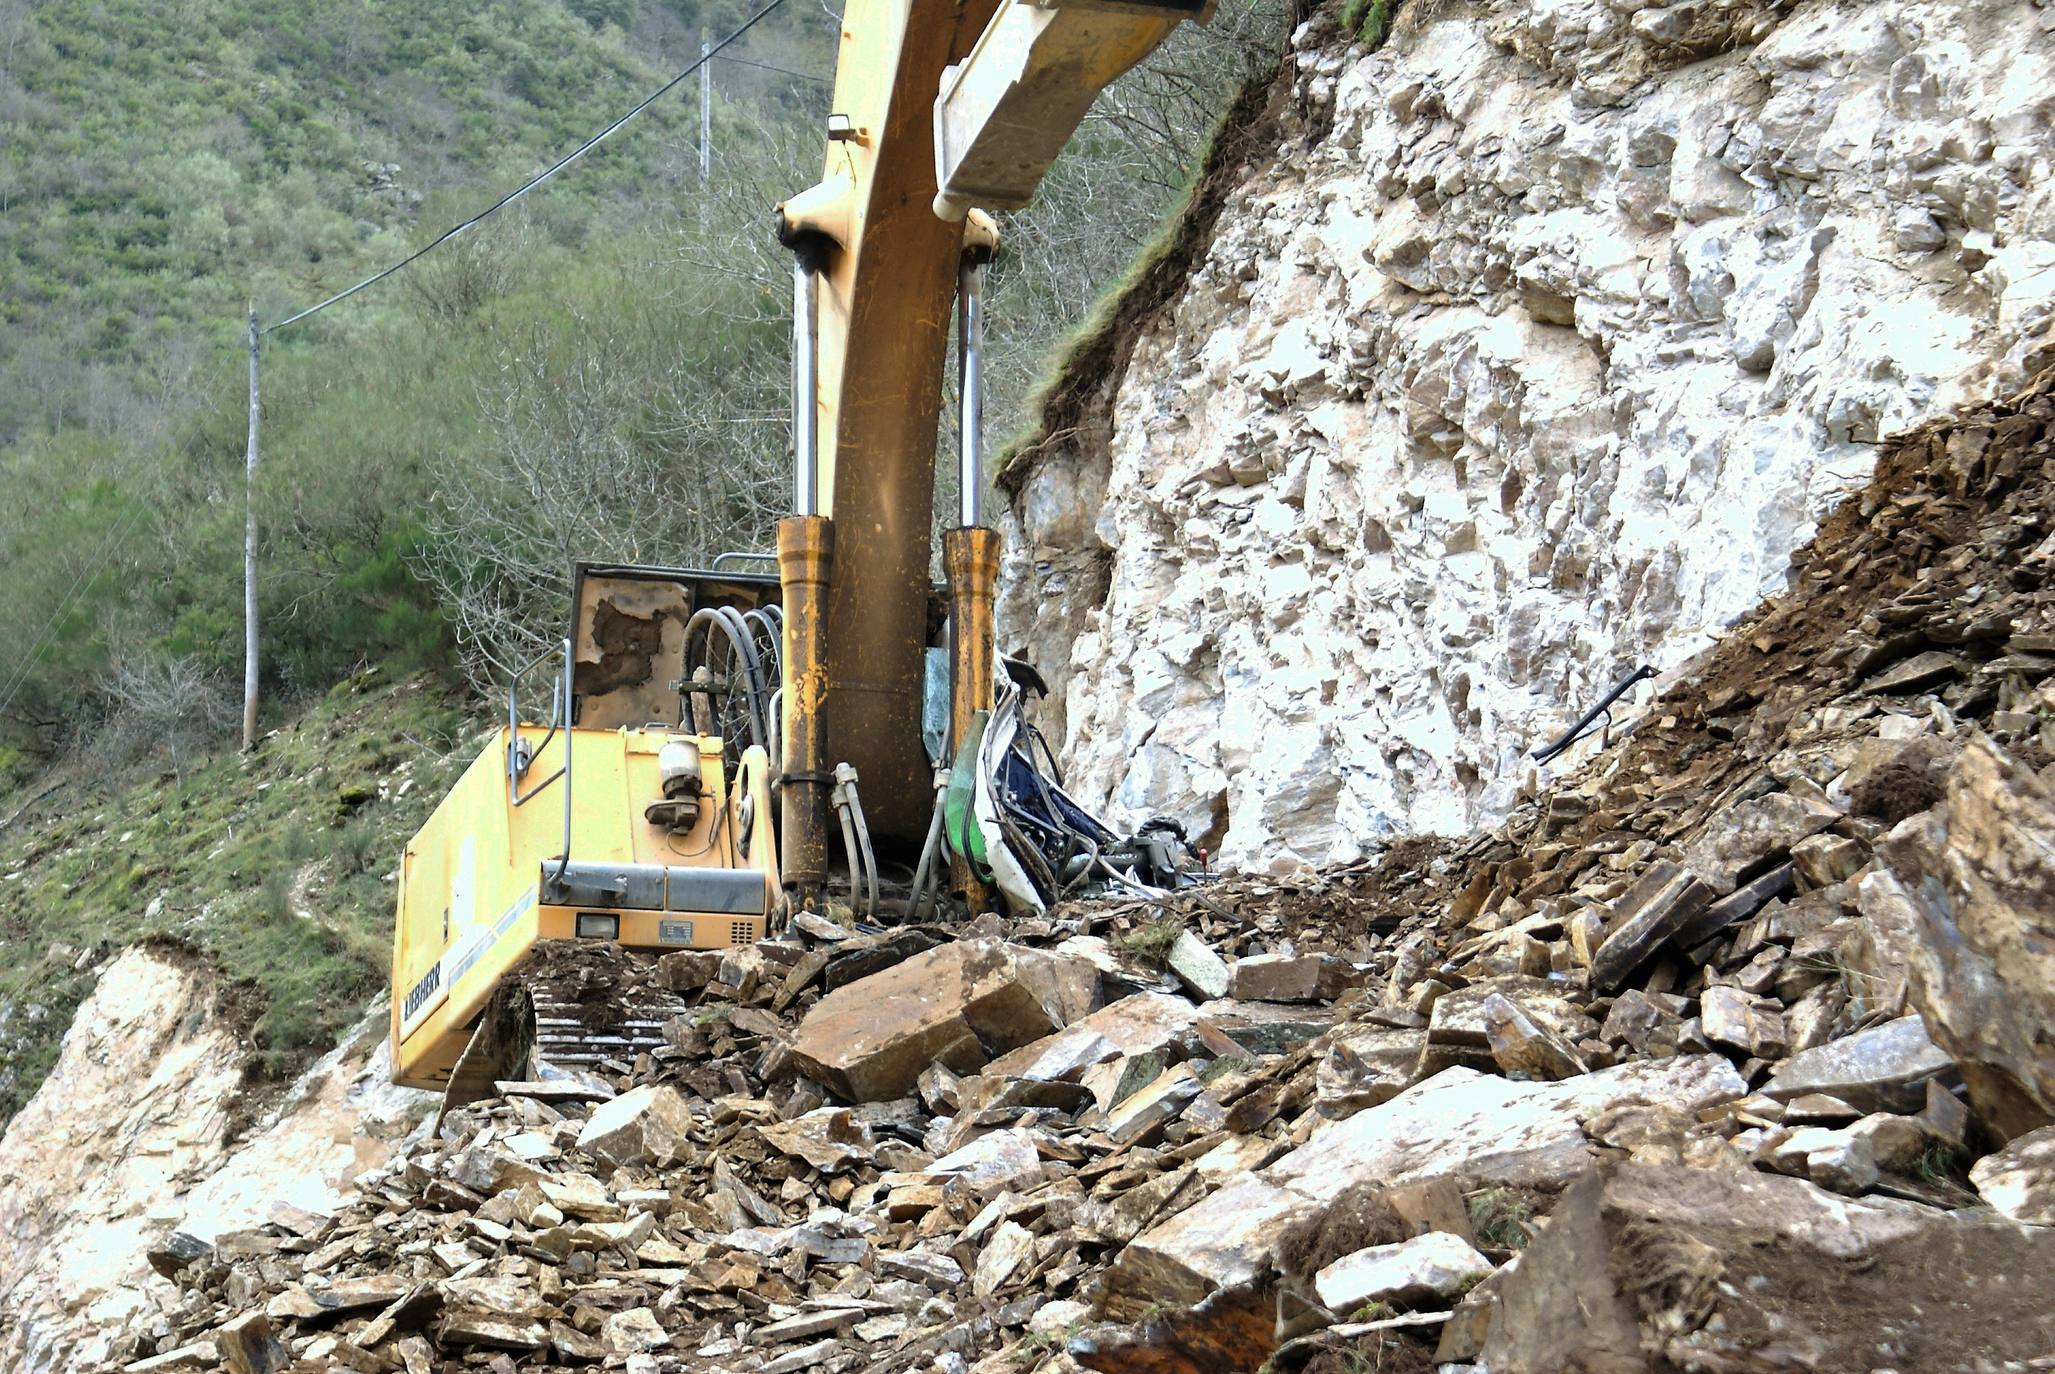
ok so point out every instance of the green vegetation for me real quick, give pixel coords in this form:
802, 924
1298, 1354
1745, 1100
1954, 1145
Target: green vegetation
1150, 942
255, 861
1369, 20
1940, 1164
1499, 1217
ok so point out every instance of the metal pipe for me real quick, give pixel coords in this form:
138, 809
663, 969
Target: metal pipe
852, 803
1577, 731
849, 851
970, 560
806, 555
970, 377
805, 401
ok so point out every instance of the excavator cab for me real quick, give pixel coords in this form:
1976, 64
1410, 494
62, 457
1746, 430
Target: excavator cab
634, 808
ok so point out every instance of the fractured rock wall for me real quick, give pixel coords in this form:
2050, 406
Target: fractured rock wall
1546, 336
128, 1139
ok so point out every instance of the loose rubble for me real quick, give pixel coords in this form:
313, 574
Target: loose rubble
1712, 1060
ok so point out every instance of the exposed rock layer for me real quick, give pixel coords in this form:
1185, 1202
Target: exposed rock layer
1539, 346
129, 1137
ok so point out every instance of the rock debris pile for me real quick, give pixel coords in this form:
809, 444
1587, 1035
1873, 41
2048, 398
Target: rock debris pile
1729, 1056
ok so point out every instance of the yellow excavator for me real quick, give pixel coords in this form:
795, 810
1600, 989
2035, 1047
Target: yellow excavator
705, 727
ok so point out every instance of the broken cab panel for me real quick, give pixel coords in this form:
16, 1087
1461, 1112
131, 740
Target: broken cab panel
613, 819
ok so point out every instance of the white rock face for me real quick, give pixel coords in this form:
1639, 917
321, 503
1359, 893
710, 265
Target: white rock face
126, 1140
1546, 337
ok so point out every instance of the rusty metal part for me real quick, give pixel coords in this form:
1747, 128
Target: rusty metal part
501, 1046
970, 560
806, 556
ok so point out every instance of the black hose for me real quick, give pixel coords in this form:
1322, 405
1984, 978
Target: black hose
1578, 731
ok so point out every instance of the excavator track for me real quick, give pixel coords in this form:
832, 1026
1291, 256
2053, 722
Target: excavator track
580, 1007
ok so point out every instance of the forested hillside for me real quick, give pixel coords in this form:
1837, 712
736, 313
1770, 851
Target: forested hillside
599, 372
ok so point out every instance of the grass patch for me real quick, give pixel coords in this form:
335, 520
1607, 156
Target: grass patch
215, 861
1499, 1217
1095, 353
1368, 20
1940, 1164
1150, 943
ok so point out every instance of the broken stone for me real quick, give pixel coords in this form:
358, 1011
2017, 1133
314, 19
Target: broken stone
1752, 1025
1659, 904
1460, 1122
198, 1355
960, 1004
646, 1125
808, 1324
635, 1332
1203, 972
1266, 1027
175, 1251
1979, 873
1636, 1019
828, 1138
1146, 1023
1365, 1067
1823, 860
1146, 1111
990, 1161
1559, 1309
1921, 670
806, 1357
248, 1347
2019, 1180
1748, 835
465, 1327
1434, 1267
1522, 1046
1010, 1247
1738, 905
1840, 1160
1884, 1068
922, 1266
1289, 978
1460, 1017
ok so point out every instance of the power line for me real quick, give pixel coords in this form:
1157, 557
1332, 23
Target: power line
782, 71
566, 160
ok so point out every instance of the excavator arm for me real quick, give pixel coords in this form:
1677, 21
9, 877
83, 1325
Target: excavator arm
939, 106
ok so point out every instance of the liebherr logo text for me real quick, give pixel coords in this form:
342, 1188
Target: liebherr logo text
423, 990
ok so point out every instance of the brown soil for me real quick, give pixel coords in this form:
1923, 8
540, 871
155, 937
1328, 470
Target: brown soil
1898, 790
1927, 557
1357, 1220
1380, 1352
1980, 1304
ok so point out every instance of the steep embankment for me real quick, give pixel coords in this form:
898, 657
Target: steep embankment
135, 1130
1534, 350
275, 868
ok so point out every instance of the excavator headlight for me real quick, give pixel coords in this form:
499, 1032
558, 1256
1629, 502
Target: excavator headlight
596, 925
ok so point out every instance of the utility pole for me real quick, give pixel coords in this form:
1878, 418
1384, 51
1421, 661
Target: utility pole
250, 555
706, 109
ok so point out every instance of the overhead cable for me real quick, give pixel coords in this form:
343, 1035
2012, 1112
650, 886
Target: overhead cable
566, 160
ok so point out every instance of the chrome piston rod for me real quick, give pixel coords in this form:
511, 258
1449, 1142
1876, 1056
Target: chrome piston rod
970, 376
806, 494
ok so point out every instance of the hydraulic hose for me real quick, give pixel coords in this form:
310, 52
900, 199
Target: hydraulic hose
849, 848
863, 838
928, 848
